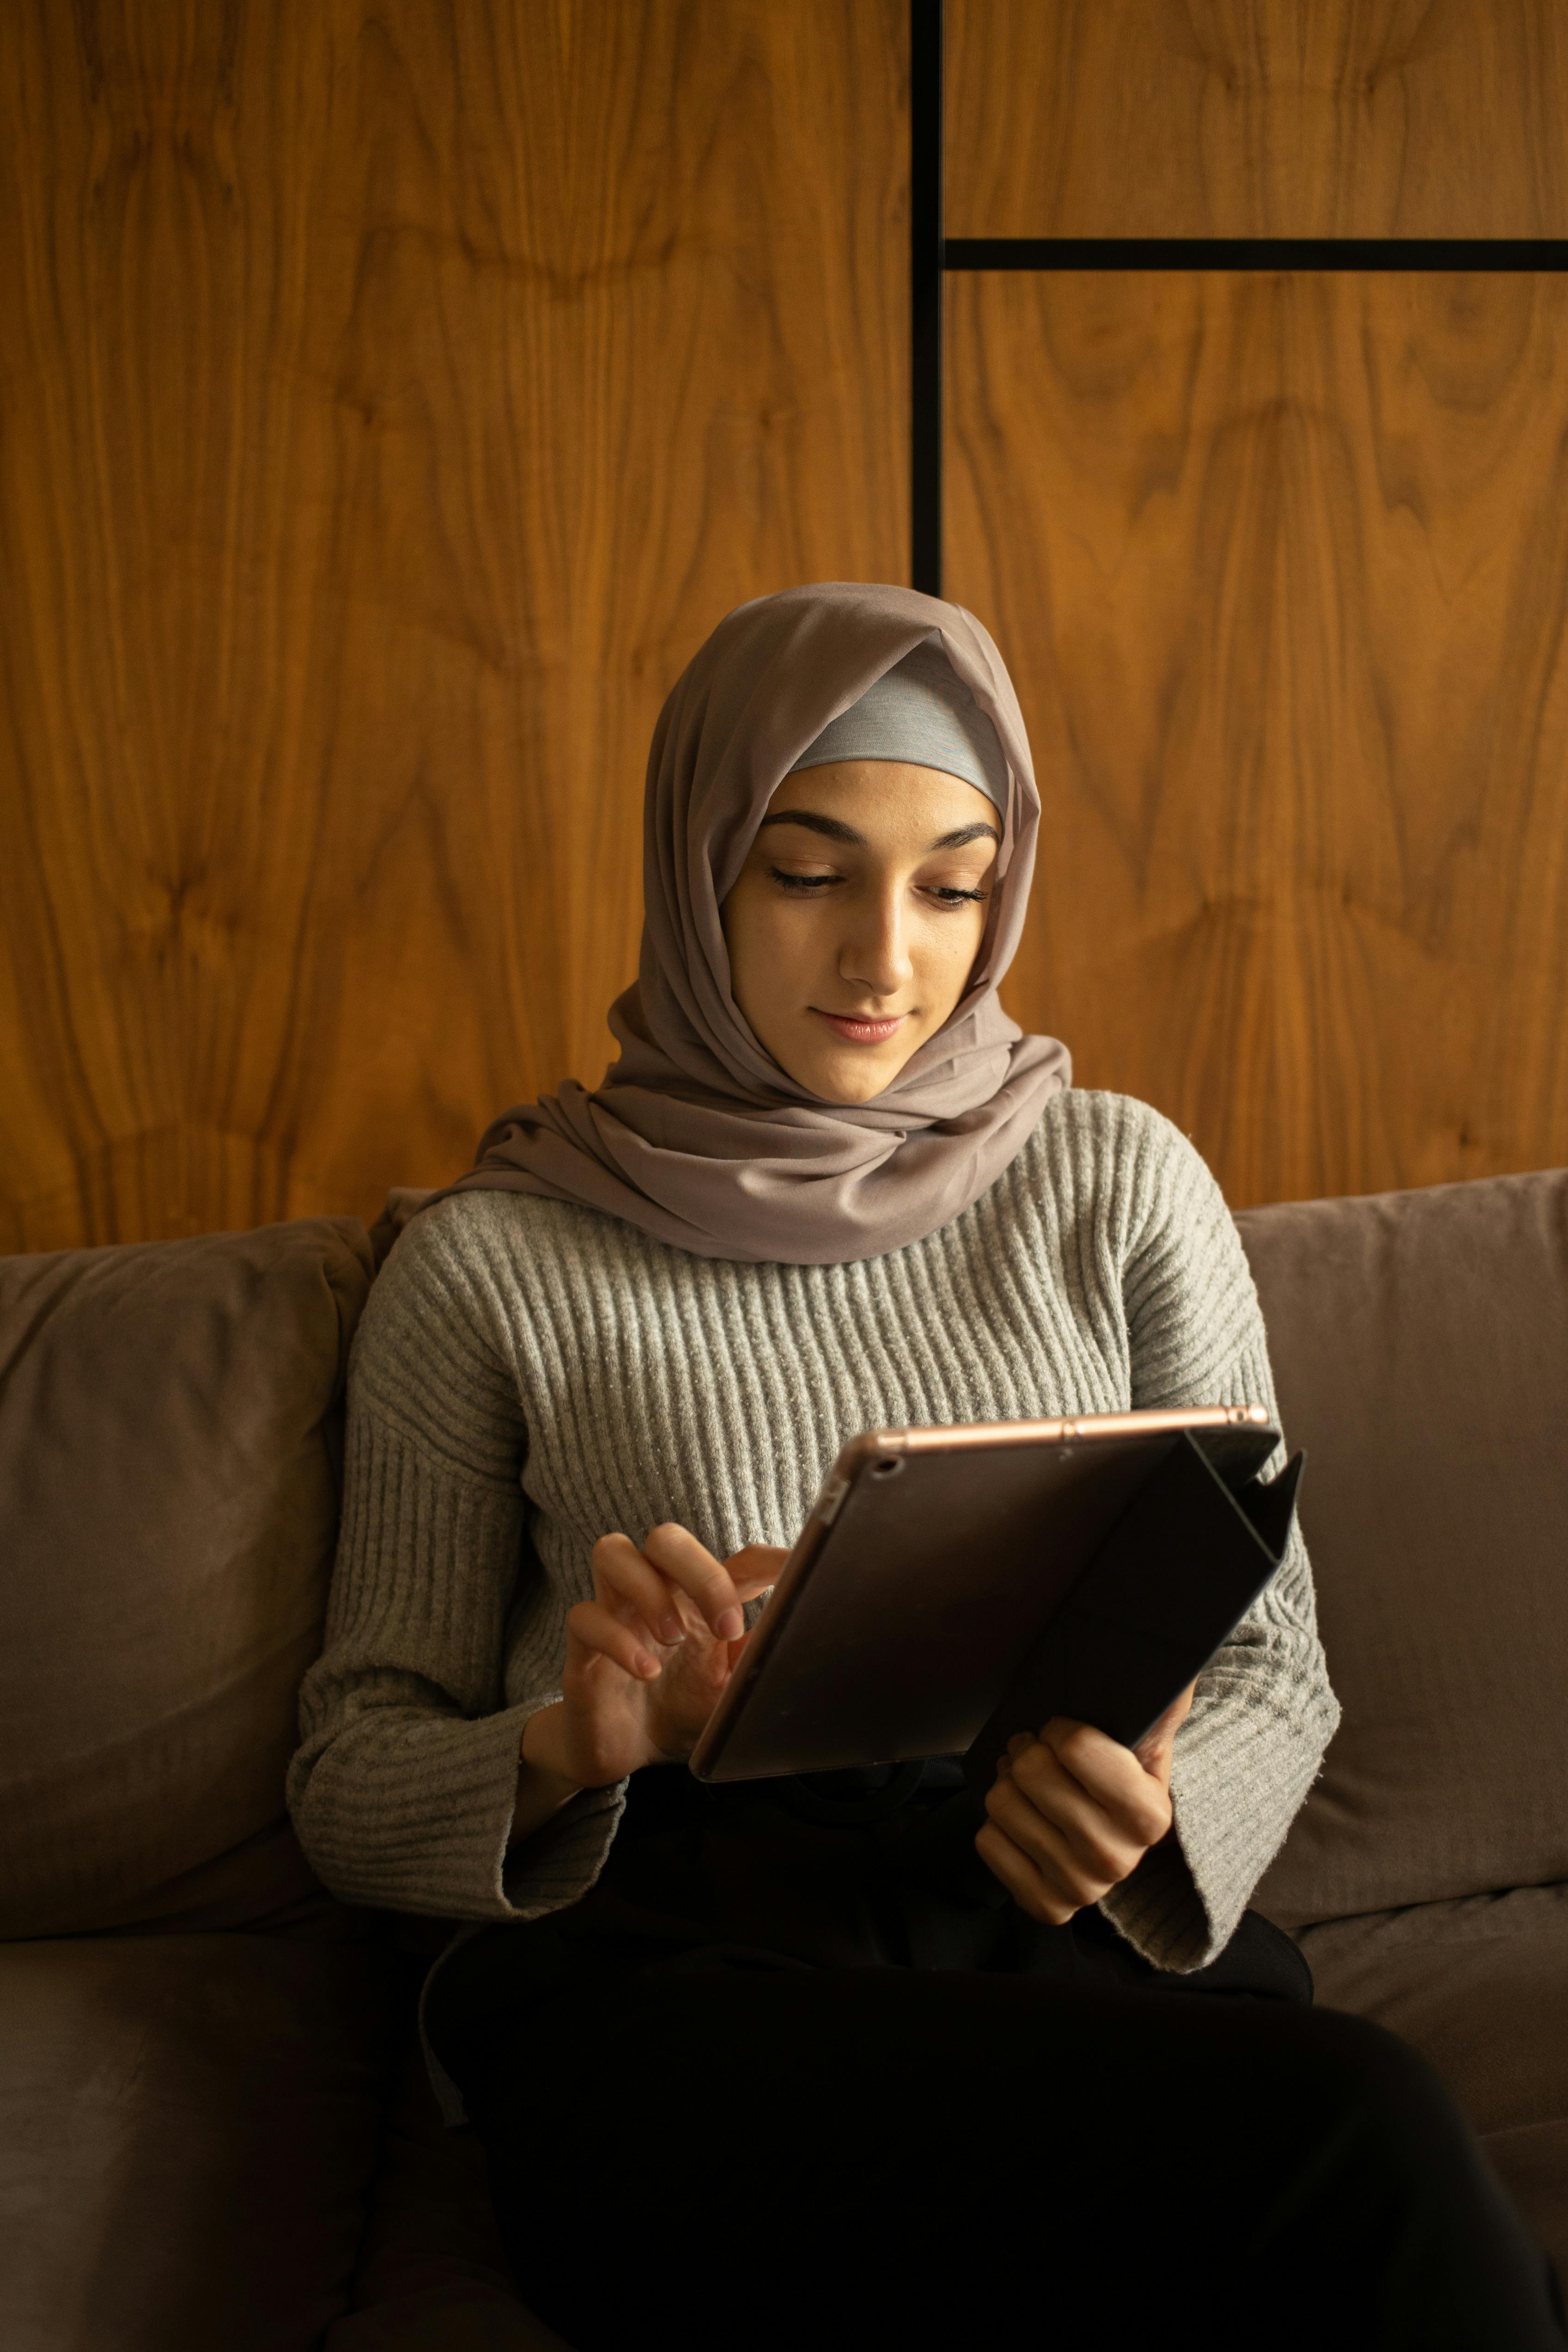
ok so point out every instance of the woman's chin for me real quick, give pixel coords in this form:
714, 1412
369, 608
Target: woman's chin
849, 1076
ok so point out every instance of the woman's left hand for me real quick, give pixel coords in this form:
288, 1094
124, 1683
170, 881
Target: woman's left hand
1072, 1813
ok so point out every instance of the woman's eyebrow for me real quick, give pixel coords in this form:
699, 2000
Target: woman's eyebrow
968, 833
835, 831
814, 824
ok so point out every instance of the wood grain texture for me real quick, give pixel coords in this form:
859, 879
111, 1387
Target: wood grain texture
1280, 564
392, 395
1257, 118
395, 394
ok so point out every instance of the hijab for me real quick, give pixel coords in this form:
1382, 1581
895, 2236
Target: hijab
917, 712
695, 1134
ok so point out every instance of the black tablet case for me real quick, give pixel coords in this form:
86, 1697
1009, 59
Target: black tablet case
1173, 1580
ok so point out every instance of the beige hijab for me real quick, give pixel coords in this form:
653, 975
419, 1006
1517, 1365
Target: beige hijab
695, 1134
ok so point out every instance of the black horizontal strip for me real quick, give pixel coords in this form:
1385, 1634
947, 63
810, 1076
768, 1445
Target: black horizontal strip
1494, 254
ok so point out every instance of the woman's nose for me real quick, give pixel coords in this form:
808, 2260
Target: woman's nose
876, 955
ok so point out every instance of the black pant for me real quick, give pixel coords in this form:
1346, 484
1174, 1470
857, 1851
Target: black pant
710, 2157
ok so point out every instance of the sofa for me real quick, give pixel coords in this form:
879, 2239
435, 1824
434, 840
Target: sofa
214, 2128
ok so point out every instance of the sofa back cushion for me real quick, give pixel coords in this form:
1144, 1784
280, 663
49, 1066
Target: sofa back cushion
1420, 1342
168, 1496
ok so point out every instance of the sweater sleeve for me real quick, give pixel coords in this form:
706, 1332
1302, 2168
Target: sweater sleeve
1264, 1712
403, 1788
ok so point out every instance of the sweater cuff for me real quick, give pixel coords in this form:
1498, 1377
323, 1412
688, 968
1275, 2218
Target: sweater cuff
1180, 1906
411, 1812
561, 1859
1161, 1912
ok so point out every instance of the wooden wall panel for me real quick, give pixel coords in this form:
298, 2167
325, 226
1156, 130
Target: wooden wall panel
1281, 566
1258, 117
394, 397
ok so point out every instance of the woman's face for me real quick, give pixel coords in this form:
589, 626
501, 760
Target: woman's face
857, 919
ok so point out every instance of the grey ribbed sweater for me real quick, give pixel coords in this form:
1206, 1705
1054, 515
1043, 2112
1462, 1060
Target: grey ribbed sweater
529, 1375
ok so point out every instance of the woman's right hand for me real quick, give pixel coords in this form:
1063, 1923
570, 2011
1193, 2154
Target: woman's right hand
646, 1659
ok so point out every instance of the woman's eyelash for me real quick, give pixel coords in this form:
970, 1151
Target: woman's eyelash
946, 895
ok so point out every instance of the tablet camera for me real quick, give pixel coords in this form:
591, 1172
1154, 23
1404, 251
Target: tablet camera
888, 1468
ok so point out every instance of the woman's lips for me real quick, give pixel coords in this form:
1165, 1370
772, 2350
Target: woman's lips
859, 1030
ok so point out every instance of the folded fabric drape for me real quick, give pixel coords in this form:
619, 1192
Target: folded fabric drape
696, 1134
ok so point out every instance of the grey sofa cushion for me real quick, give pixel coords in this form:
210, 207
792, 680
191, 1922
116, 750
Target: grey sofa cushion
187, 2125
168, 1493
1480, 1988
1421, 1345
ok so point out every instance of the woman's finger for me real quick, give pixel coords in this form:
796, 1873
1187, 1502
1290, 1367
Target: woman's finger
755, 1568
1082, 1868
1023, 1883
620, 1568
1153, 1750
1111, 1777
677, 1554
590, 1627
1103, 1840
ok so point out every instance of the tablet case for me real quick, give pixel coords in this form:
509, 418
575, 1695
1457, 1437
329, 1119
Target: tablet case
1179, 1571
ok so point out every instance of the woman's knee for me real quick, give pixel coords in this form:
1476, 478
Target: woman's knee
1352, 2060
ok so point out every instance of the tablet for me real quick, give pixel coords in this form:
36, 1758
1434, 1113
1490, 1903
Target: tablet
932, 1560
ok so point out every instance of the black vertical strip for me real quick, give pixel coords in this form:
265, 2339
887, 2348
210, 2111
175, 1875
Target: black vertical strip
925, 295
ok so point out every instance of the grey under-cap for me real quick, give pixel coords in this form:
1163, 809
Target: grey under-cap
918, 711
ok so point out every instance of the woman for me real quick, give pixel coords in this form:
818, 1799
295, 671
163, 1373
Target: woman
801, 2062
